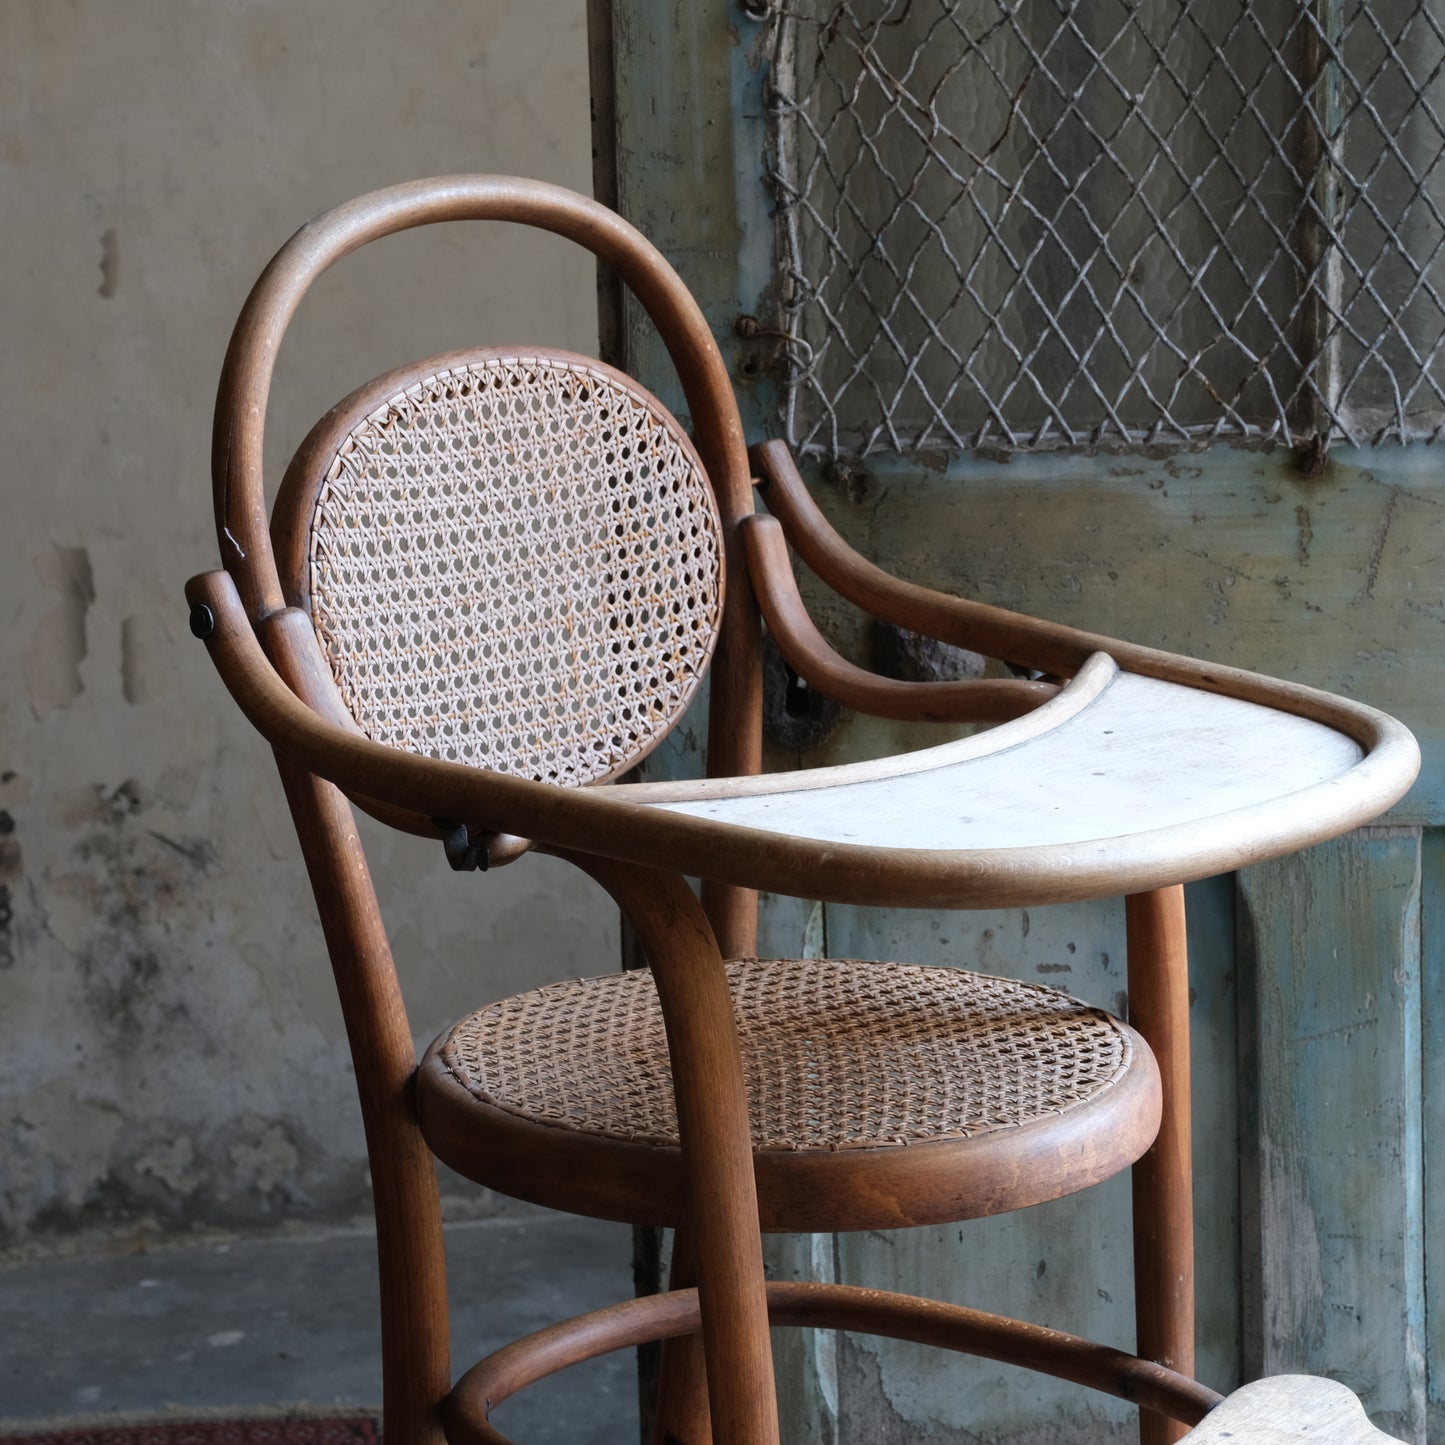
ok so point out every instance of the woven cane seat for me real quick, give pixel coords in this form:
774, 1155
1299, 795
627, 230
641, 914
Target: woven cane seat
933, 1085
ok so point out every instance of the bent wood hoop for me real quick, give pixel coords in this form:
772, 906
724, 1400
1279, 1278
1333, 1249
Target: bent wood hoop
237, 447
822, 1306
605, 822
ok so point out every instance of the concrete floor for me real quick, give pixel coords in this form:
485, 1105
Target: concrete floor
261, 1325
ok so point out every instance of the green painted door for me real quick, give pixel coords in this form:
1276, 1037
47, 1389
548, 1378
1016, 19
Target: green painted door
1128, 316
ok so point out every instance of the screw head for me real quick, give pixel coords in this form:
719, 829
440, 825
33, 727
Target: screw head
203, 621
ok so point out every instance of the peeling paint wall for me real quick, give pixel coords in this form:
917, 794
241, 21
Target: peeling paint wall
170, 1051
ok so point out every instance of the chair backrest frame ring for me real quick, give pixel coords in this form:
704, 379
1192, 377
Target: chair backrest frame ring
242, 519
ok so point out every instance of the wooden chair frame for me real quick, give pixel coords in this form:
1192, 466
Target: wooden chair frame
268, 657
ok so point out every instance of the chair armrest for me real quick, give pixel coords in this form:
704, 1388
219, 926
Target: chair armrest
317, 736
1011, 636
779, 845
1046, 647
809, 653
289, 641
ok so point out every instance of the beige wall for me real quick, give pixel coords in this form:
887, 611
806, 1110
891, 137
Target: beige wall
170, 1050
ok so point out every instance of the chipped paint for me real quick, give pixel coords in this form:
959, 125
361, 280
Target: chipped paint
146, 650
174, 1055
11, 868
267, 1157
1335, 1206
1377, 549
50, 663
109, 265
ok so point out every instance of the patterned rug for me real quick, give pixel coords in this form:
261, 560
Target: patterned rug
335, 1431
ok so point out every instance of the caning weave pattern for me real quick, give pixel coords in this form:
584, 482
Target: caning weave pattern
514, 563
837, 1054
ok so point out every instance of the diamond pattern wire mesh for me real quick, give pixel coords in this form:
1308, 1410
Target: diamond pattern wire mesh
1122, 222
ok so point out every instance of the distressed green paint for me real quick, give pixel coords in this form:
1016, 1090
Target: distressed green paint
1432, 984
1214, 1012
1330, 940
685, 149
1228, 555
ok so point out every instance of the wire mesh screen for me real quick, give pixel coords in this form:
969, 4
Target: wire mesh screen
1128, 222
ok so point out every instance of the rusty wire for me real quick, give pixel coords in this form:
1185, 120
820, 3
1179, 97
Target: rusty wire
1031, 223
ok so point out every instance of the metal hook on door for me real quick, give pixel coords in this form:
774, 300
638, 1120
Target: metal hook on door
751, 329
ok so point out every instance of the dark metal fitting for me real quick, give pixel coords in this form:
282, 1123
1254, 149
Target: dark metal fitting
203, 621
751, 329
463, 854
757, 9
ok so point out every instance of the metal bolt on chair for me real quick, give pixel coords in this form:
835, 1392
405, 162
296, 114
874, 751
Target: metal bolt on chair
493, 581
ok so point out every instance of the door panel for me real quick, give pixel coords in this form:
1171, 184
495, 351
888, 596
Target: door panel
1318, 1011
1330, 949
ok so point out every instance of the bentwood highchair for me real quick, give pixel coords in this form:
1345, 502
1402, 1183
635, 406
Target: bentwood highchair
493, 581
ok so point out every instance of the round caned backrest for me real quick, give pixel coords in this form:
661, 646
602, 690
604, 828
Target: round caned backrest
512, 560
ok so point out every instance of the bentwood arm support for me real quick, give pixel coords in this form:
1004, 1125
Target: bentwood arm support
242, 513
1010, 636
820, 666
1046, 647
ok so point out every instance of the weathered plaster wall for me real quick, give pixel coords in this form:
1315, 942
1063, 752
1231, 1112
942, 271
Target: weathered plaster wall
170, 1050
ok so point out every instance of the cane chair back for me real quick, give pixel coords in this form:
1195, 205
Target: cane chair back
512, 561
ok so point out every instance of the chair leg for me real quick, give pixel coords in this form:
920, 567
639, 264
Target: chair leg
1163, 1179
717, 1152
682, 1415
411, 1250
